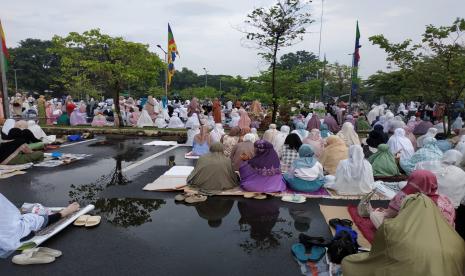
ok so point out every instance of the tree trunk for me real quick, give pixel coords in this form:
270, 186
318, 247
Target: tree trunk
273, 81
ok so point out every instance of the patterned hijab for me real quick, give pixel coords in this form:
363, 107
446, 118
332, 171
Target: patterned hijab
266, 160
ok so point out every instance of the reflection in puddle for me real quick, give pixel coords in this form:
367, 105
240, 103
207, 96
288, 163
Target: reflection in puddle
259, 218
214, 210
126, 212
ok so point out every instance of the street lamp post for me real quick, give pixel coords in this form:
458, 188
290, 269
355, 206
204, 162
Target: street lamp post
206, 76
16, 80
166, 70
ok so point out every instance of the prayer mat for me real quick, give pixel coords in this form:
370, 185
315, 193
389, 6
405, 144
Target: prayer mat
335, 195
364, 224
54, 229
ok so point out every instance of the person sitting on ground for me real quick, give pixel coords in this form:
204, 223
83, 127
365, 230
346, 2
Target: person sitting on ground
400, 146
213, 171
16, 227
383, 162
314, 139
100, 120
36, 130
418, 234
270, 134
300, 130
331, 123
429, 152
305, 173
262, 173
377, 137
230, 140
175, 122
420, 181
134, 117
243, 151
12, 130
324, 131
432, 132
244, 131
244, 120
422, 128
314, 122
234, 119
354, 176
362, 124
290, 151
348, 134
451, 178
255, 133
411, 137
217, 133
160, 121
443, 144
335, 151
201, 142
16, 152
280, 139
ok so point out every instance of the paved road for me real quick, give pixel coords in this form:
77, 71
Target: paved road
147, 233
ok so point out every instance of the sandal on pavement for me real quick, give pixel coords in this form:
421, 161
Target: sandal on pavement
32, 257
93, 221
81, 221
260, 196
45, 250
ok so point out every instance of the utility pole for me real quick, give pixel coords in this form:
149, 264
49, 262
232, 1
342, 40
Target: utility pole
206, 77
166, 70
16, 80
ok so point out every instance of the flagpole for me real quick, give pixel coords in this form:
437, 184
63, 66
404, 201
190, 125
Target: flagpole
166, 75
6, 104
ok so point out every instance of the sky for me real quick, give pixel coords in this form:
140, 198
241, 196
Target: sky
206, 32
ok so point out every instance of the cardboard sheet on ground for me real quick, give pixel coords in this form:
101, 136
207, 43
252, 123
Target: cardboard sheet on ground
66, 158
161, 143
54, 229
173, 179
330, 212
7, 171
191, 156
335, 195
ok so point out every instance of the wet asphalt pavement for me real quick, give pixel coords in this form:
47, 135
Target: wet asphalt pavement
147, 233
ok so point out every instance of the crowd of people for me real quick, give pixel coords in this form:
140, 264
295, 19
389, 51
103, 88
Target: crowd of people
317, 147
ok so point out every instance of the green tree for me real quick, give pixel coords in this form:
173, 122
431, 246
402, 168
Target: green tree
274, 28
110, 63
337, 79
436, 65
36, 67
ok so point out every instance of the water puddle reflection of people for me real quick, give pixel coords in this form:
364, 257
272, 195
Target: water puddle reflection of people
214, 210
259, 219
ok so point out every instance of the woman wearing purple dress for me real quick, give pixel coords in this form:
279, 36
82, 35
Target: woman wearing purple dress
262, 173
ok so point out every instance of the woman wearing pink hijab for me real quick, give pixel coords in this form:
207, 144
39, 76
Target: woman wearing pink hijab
244, 121
314, 122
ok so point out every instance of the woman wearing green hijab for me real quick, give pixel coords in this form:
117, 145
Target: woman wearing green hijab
213, 171
383, 162
305, 173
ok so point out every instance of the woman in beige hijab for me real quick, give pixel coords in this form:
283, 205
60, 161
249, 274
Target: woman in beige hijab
348, 134
335, 151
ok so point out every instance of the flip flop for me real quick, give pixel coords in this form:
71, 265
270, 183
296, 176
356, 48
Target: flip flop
260, 196
316, 253
195, 198
81, 221
93, 221
294, 198
181, 197
45, 250
298, 250
32, 257
250, 194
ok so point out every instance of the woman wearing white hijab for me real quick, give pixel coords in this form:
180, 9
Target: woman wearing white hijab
280, 138
348, 134
216, 133
431, 133
270, 134
145, 119
192, 121
7, 126
354, 176
451, 178
175, 122
255, 133
234, 119
399, 143
191, 132
36, 129
457, 124
160, 121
